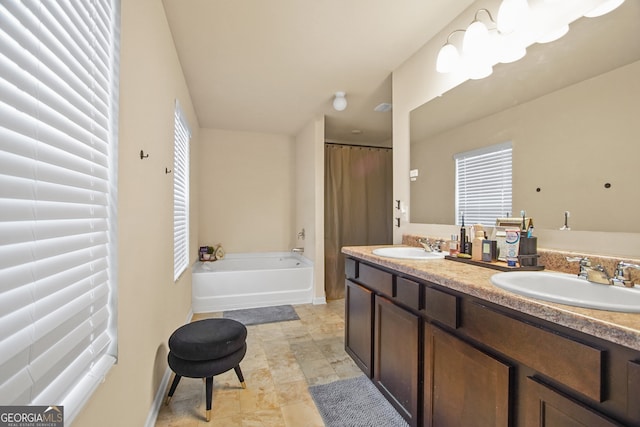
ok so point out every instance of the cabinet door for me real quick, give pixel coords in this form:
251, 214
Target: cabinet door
359, 325
463, 386
395, 372
549, 408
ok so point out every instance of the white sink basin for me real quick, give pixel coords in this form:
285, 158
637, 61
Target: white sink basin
406, 252
569, 289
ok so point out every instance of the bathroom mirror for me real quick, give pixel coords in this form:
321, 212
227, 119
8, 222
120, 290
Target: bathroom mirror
571, 109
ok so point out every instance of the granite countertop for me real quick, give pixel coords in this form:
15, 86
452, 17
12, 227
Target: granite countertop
620, 328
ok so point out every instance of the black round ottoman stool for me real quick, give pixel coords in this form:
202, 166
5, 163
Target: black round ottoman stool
205, 348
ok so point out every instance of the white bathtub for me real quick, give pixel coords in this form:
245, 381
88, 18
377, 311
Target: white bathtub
251, 280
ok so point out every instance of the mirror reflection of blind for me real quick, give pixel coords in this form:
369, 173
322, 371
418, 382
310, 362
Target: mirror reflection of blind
483, 184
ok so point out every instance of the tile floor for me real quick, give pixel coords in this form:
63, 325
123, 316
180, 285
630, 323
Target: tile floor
283, 359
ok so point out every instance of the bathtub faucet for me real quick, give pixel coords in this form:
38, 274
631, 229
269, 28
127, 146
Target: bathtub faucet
297, 250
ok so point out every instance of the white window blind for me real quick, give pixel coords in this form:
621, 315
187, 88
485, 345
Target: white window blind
483, 184
182, 135
58, 127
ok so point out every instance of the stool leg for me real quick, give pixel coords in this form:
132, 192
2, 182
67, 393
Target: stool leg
209, 392
172, 389
240, 376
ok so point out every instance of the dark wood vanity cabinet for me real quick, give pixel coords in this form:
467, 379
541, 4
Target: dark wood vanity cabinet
547, 407
444, 358
395, 357
358, 326
463, 386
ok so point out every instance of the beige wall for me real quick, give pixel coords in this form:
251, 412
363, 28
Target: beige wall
150, 304
247, 190
310, 198
567, 143
416, 82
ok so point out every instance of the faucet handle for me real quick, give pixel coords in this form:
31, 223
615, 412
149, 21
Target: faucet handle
585, 264
622, 274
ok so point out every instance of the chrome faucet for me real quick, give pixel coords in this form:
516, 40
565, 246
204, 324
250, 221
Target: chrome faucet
598, 274
622, 276
431, 246
585, 264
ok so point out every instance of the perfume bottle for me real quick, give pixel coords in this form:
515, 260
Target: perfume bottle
454, 245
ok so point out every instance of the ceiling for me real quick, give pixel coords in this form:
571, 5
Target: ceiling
272, 66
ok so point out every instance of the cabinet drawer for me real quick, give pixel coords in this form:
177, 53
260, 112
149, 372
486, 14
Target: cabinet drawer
572, 363
408, 293
377, 280
351, 268
441, 306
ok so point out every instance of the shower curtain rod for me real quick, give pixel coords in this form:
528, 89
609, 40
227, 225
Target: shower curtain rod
358, 145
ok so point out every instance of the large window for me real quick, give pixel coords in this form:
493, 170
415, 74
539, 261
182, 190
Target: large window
58, 127
182, 135
483, 184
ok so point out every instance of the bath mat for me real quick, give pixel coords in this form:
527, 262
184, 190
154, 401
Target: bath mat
354, 402
256, 316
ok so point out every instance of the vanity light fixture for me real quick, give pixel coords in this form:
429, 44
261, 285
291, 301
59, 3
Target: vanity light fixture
448, 56
478, 48
479, 45
509, 50
553, 35
340, 102
517, 26
512, 15
604, 8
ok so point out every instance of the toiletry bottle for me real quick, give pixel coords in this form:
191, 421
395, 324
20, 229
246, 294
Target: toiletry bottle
476, 247
512, 240
453, 245
463, 237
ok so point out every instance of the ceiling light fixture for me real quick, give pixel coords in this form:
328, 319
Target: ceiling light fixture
340, 102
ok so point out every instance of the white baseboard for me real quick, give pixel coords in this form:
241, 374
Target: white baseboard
319, 300
160, 397
157, 402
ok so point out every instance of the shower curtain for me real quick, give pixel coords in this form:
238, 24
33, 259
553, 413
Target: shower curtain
358, 205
